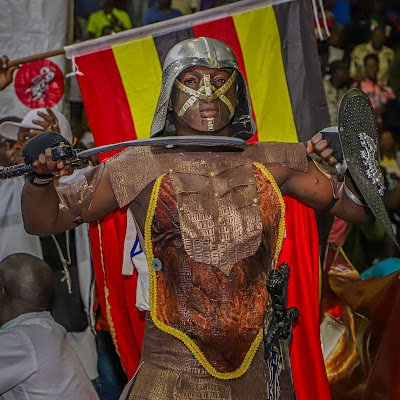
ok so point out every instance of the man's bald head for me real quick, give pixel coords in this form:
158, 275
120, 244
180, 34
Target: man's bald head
26, 282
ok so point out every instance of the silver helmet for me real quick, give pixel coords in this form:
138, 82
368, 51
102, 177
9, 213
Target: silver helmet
203, 52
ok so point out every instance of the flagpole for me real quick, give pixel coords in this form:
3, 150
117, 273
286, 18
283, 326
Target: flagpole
39, 56
153, 29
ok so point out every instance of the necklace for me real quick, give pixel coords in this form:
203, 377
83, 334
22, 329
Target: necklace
66, 262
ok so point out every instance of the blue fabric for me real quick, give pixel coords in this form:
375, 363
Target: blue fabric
112, 378
83, 8
206, 4
341, 11
382, 268
154, 14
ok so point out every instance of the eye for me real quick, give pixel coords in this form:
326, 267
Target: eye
219, 81
190, 81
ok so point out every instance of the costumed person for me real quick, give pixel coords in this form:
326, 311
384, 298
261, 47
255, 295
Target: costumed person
213, 224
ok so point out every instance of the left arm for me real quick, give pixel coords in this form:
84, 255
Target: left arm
316, 190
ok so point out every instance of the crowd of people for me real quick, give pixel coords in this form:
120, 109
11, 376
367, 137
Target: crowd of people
363, 51
53, 332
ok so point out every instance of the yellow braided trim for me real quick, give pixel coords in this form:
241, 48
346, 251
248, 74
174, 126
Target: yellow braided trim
189, 343
107, 293
281, 231
341, 251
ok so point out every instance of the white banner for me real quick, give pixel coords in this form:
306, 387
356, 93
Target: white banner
29, 27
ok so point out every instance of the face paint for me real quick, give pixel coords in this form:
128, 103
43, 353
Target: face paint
190, 105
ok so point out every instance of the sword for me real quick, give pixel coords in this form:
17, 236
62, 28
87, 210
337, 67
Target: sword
79, 159
168, 142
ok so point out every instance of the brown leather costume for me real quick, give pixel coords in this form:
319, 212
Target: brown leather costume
214, 229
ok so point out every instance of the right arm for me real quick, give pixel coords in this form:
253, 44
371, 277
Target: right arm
44, 213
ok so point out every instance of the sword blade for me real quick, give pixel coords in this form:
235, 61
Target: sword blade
207, 141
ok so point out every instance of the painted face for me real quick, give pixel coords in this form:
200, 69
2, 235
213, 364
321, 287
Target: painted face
205, 99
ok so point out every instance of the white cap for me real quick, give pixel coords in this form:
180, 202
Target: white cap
10, 130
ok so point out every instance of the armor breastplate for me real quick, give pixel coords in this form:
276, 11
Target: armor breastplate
210, 247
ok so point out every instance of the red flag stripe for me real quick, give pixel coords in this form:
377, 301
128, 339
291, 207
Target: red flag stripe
110, 119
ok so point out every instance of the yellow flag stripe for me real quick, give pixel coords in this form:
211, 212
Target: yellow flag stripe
140, 71
261, 47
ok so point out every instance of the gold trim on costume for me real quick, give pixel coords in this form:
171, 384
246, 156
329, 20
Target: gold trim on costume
107, 293
189, 343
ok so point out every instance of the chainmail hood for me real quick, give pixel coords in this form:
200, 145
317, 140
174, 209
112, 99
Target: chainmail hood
204, 52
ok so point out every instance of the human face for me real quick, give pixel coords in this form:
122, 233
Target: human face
371, 69
204, 99
7, 152
378, 39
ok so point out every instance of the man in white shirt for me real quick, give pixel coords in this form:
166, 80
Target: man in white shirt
76, 306
36, 361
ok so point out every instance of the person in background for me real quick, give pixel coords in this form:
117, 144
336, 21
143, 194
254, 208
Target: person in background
336, 85
160, 12
13, 237
333, 49
389, 148
379, 94
186, 6
67, 253
36, 360
107, 20
376, 45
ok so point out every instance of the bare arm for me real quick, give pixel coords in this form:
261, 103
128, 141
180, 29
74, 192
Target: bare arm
315, 190
44, 214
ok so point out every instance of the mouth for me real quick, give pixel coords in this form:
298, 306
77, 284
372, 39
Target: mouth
209, 113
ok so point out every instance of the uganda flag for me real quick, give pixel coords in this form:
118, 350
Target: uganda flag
120, 80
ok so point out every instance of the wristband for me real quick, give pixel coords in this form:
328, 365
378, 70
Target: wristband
353, 197
39, 180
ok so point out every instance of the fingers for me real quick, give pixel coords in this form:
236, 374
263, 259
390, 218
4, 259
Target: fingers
5, 67
47, 117
51, 114
309, 147
332, 162
44, 165
321, 147
316, 138
49, 121
4, 62
44, 124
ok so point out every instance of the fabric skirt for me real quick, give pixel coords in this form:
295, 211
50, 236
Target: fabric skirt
169, 371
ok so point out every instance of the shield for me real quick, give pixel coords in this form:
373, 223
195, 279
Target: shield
359, 141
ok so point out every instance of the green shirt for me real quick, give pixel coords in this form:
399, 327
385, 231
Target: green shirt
113, 22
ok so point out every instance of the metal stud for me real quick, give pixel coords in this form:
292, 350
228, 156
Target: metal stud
157, 264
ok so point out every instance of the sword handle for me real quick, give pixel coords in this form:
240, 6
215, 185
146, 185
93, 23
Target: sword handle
332, 136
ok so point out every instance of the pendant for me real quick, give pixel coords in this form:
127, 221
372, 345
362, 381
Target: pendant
66, 276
